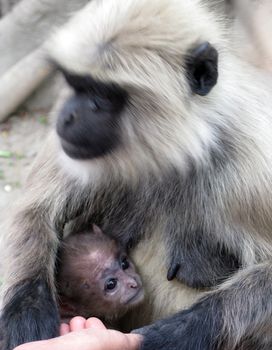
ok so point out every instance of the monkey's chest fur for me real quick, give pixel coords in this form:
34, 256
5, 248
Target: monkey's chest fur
171, 230
162, 297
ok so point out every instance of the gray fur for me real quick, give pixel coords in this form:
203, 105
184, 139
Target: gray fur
193, 177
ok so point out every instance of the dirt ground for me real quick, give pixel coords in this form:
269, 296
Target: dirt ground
20, 139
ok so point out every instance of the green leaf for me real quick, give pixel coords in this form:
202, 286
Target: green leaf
43, 120
5, 154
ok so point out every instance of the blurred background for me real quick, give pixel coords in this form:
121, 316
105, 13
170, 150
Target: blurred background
28, 86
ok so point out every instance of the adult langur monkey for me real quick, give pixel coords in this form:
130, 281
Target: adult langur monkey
164, 144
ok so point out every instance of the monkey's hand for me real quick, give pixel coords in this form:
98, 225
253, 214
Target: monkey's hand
31, 314
193, 329
202, 266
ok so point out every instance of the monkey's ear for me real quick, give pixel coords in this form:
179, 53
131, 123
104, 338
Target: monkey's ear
97, 230
202, 68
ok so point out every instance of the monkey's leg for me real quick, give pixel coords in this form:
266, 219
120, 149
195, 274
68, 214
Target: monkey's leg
238, 313
30, 310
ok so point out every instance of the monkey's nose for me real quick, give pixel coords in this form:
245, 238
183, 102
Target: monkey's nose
70, 118
133, 284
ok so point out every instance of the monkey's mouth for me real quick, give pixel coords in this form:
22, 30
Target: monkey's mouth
79, 152
137, 298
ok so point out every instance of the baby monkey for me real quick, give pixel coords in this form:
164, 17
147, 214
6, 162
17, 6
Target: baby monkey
96, 278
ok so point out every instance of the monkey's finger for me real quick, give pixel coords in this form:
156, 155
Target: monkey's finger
77, 324
172, 272
94, 323
64, 329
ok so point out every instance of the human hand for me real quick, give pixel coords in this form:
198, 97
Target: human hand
89, 334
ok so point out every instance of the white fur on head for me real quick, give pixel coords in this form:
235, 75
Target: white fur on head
129, 25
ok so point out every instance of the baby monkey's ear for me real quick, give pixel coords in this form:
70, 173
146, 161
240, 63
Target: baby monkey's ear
97, 231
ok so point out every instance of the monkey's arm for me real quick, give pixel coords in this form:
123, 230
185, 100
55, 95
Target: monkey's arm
200, 261
29, 302
30, 310
237, 314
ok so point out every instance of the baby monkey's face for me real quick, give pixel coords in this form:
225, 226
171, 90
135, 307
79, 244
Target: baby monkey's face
113, 287
101, 281
120, 283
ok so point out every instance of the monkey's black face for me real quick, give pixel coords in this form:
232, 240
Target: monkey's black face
89, 122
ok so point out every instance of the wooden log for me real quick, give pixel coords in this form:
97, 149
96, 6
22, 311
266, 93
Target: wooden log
22, 80
29, 24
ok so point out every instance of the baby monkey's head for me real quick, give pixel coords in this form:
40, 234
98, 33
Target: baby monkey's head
96, 277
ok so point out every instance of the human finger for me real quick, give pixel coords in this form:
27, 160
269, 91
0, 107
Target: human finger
94, 323
64, 329
114, 340
77, 323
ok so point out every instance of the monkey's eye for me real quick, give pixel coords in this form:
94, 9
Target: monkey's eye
110, 284
124, 263
102, 103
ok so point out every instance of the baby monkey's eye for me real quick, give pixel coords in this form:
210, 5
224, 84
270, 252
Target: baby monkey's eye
110, 284
124, 263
